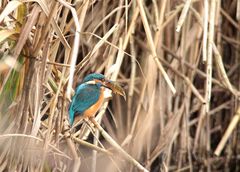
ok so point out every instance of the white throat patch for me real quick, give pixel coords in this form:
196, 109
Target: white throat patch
90, 82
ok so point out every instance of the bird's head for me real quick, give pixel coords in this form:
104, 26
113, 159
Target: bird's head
96, 78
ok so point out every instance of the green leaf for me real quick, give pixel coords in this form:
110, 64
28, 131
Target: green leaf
11, 6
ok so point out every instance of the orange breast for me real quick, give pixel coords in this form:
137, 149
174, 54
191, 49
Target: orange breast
90, 112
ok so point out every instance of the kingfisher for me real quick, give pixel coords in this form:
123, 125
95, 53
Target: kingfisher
89, 96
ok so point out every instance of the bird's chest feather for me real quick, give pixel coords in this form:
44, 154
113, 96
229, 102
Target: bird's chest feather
92, 110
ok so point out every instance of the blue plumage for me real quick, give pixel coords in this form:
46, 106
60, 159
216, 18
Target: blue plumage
89, 95
85, 96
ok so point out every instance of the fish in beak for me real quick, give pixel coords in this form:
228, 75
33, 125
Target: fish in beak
115, 87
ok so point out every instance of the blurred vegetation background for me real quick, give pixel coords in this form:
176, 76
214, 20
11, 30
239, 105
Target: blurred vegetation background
178, 62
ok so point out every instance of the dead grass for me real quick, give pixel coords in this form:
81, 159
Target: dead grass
177, 60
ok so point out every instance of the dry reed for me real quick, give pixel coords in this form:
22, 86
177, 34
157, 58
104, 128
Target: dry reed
177, 60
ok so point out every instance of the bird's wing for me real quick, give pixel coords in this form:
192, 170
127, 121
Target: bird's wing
85, 97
